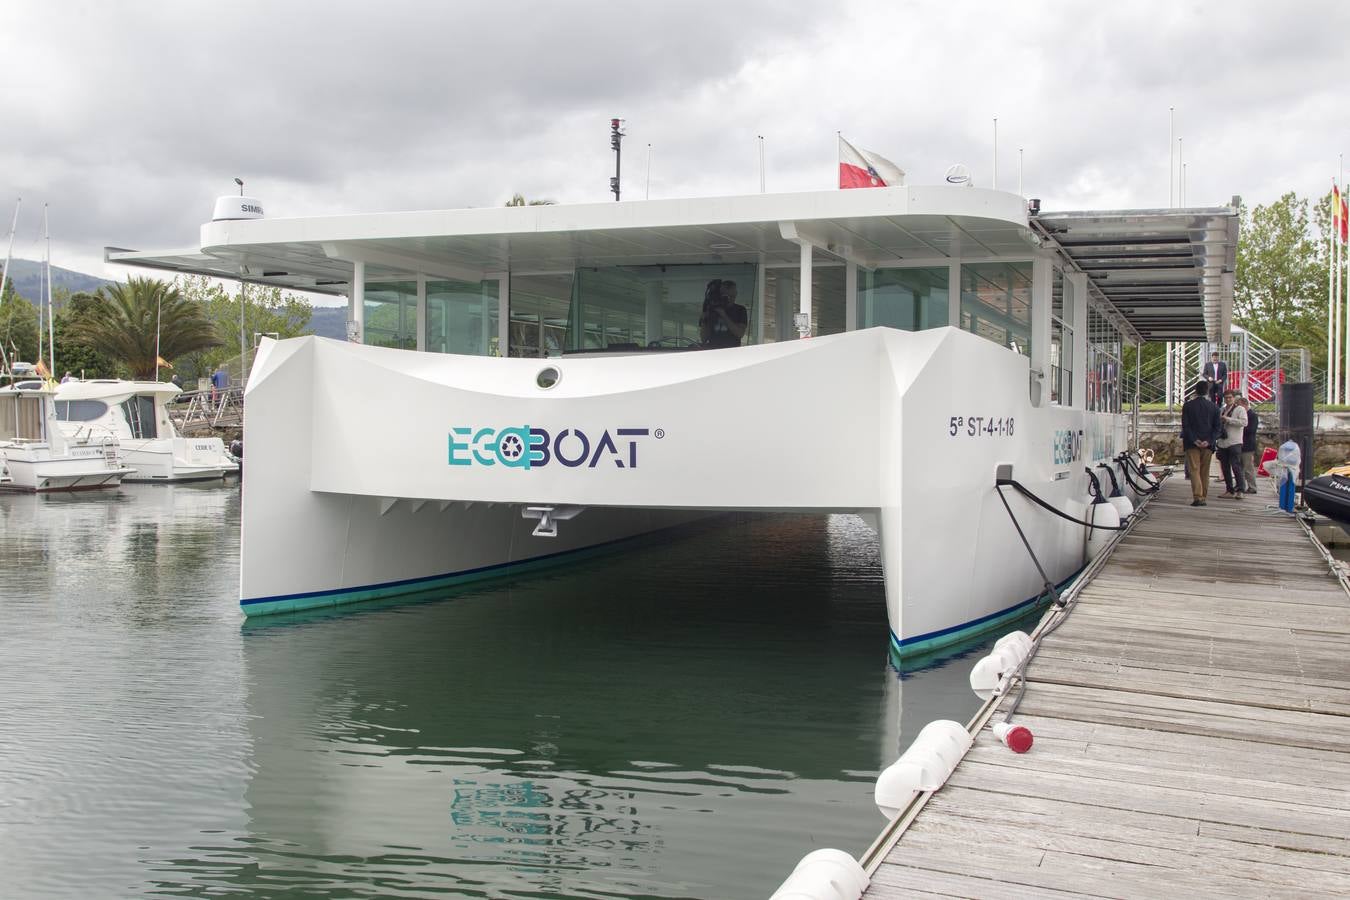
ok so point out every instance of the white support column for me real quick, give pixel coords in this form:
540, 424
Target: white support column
1078, 283
504, 315
356, 305
954, 293
421, 312
1042, 286
761, 295
804, 293
850, 296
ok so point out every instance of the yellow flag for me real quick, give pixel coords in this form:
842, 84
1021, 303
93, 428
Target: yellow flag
41, 369
163, 363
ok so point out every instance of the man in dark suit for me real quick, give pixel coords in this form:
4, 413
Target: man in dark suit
1200, 426
1216, 373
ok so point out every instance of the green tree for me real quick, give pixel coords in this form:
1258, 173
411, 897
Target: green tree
267, 311
72, 353
18, 326
1281, 279
519, 200
136, 318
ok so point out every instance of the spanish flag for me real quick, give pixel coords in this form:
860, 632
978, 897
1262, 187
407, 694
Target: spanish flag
41, 369
163, 363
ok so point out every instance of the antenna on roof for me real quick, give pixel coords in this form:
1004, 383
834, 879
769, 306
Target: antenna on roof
240, 182
616, 142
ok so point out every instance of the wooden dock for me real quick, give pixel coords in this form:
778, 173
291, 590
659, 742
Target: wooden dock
1192, 730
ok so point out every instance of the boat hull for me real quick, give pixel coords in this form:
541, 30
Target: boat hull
906, 429
31, 471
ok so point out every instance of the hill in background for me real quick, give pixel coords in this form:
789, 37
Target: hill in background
27, 277
325, 321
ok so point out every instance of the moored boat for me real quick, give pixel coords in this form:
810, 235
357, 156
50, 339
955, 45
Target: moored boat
900, 353
135, 415
37, 455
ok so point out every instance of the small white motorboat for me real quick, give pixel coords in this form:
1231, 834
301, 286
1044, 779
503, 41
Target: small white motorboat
35, 455
135, 415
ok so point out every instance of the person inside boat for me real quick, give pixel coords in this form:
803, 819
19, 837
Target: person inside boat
723, 321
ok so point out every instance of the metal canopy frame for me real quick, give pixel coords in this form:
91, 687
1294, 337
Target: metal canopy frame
1168, 272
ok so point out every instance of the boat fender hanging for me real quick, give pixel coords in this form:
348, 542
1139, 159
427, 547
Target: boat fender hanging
824, 875
990, 675
924, 766
1094, 487
1105, 523
1124, 507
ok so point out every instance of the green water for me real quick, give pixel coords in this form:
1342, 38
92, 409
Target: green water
686, 719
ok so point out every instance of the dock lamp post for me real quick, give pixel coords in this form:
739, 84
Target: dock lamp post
616, 142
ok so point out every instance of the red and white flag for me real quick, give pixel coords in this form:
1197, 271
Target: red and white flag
864, 169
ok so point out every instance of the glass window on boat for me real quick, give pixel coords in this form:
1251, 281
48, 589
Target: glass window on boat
391, 314
140, 413
21, 418
461, 317
539, 305
910, 299
1061, 340
782, 301
1104, 364
80, 410
996, 303
651, 307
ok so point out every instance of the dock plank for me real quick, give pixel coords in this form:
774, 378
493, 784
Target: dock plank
1192, 722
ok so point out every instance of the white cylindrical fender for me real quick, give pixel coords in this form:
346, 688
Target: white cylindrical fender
1104, 515
990, 674
1124, 508
824, 875
924, 766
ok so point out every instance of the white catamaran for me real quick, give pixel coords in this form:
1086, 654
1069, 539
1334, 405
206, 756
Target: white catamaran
525, 383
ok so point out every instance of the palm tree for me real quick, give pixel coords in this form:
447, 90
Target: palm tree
519, 200
134, 319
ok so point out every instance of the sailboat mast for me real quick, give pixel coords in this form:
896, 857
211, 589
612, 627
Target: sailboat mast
4, 273
41, 298
51, 317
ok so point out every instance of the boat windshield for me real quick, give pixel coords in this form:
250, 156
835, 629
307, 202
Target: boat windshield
80, 410
661, 307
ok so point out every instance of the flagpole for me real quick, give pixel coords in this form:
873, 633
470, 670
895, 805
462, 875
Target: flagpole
995, 152
761, 162
1336, 292
1019, 172
1331, 281
1344, 280
1171, 154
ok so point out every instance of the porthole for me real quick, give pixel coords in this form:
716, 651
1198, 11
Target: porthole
548, 377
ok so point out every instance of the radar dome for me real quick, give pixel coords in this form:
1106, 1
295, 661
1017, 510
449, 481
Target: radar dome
235, 207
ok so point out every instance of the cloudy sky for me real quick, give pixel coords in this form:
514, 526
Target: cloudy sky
130, 117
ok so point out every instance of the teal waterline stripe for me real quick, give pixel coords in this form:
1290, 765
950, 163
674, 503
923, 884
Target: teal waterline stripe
935, 640
415, 588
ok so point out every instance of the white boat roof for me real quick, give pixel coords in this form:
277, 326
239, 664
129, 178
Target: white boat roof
1180, 262
108, 388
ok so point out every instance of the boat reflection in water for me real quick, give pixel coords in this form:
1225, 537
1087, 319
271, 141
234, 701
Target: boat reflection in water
686, 720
